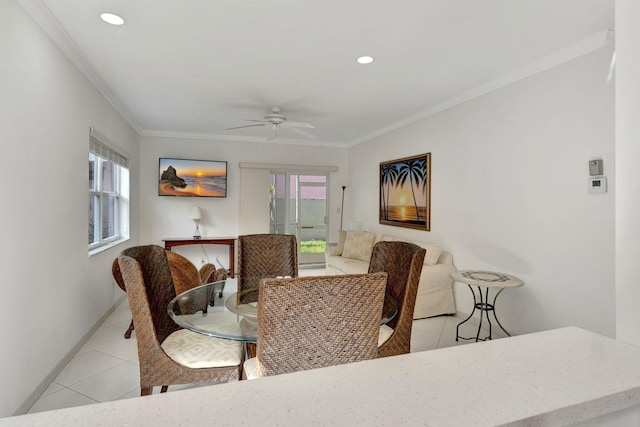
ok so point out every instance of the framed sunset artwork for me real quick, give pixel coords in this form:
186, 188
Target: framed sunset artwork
405, 192
192, 178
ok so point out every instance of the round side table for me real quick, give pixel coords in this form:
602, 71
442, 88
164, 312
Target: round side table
487, 280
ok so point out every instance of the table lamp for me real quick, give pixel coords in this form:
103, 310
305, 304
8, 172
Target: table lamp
196, 215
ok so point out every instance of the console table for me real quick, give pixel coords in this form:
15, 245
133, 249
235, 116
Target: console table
170, 242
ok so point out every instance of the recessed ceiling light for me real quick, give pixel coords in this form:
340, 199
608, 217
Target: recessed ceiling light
111, 18
365, 60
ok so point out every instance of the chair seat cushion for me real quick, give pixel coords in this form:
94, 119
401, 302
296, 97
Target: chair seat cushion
194, 350
385, 334
250, 368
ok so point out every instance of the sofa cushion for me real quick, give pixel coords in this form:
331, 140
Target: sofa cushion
355, 267
348, 265
433, 252
342, 236
358, 245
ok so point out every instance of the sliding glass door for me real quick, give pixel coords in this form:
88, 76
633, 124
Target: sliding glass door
298, 206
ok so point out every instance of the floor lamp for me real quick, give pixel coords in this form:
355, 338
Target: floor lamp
342, 206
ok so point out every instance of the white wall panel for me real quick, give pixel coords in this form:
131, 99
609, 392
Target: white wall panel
628, 172
509, 192
54, 292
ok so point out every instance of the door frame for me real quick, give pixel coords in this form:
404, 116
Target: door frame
298, 219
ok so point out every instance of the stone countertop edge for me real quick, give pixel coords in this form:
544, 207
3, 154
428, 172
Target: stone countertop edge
552, 378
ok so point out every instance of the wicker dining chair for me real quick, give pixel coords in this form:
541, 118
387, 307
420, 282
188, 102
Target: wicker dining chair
184, 274
264, 256
117, 275
403, 263
209, 274
167, 354
313, 322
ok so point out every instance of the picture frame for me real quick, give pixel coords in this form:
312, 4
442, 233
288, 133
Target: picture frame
405, 192
192, 178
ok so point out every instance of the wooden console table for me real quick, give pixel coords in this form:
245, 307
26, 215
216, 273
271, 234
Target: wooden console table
226, 241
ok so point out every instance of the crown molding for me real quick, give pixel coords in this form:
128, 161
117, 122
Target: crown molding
288, 167
41, 14
233, 138
559, 57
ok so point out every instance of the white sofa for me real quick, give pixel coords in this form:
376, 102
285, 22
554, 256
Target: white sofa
435, 291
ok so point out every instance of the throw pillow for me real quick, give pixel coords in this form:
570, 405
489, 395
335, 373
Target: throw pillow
341, 238
433, 252
358, 245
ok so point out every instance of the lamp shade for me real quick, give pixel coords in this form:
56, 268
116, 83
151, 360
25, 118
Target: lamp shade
195, 213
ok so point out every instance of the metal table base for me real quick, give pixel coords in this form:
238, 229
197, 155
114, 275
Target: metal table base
482, 303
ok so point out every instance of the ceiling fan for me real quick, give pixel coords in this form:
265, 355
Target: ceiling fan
278, 121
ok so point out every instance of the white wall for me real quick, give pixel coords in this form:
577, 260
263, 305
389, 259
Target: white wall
509, 192
169, 216
628, 172
53, 293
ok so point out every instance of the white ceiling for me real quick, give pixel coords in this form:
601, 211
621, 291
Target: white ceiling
197, 67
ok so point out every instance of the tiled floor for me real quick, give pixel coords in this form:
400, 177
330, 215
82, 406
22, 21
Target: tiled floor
106, 368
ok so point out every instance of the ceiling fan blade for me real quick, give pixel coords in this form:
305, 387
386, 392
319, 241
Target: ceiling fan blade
258, 121
289, 124
246, 126
302, 133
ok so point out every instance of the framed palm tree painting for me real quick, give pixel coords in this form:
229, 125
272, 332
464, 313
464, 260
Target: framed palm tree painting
405, 192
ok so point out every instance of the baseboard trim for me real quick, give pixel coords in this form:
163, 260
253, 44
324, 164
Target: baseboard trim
46, 382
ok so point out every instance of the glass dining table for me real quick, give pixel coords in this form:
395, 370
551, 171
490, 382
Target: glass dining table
226, 318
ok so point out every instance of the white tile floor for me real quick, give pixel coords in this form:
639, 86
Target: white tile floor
106, 368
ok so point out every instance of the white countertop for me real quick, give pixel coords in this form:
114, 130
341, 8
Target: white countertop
555, 377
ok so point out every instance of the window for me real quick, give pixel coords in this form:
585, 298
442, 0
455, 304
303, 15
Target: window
108, 195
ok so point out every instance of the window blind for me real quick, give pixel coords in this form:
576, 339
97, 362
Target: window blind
98, 148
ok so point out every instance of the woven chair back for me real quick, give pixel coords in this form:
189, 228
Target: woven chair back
158, 283
402, 261
206, 272
312, 322
219, 274
209, 273
117, 274
184, 274
264, 256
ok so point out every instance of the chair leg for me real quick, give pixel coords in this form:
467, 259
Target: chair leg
145, 391
127, 334
251, 350
164, 389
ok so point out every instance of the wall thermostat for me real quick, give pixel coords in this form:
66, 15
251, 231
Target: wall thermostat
598, 184
595, 167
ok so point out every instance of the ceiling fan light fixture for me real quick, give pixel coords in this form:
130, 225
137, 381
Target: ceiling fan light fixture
276, 120
366, 59
112, 18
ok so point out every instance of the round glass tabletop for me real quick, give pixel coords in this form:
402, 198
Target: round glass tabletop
209, 310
